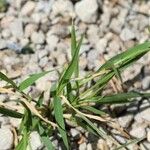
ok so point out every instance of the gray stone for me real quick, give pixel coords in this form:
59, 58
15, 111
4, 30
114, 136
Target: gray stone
6, 33
35, 141
138, 131
93, 34
28, 8
127, 34
43, 61
89, 146
145, 114
16, 28
120, 139
29, 29
42, 53
116, 25
82, 146
63, 7
146, 83
38, 37
125, 121
3, 44
52, 41
6, 139
87, 10
101, 45
74, 132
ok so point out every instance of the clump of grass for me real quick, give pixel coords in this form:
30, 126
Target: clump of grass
71, 99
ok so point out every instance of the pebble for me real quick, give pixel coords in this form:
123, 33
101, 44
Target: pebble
16, 28
127, 34
138, 132
38, 37
89, 146
3, 44
82, 146
116, 25
52, 41
125, 121
63, 7
145, 114
87, 10
146, 83
6, 139
29, 29
101, 45
35, 141
28, 8
74, 133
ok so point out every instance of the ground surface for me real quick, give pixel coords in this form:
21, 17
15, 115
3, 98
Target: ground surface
110, 26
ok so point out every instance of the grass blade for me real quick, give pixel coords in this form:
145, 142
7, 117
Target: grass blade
10, 113
116, 98
29, 81
71, 68
5, 78
58, 112
125, 57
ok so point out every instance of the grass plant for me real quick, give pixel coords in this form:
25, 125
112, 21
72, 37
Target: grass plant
71, 99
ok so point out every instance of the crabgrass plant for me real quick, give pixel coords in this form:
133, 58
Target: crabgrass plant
72, 98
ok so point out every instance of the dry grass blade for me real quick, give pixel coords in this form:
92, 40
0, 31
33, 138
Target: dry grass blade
83, 114
28, 104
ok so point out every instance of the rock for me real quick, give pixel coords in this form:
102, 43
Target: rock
61, 30
145, 114
138, 131
6, 33
127, 34
16, 28
42, 53
146, 83
15, 122
125, 121
120, 139
28, 8
61, 59
63, 7
75, 133
35, 141
38, 37
44, 6
3, 44
52, 41
87, 10
29, 29
82, 146
93, 34
38, 17
43, 61
6, 139
89, 146
116, 25
101, 45
4, 120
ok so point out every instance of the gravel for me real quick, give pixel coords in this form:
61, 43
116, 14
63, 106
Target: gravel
109, 26
87, 10
127, 34
6, 138
35, 141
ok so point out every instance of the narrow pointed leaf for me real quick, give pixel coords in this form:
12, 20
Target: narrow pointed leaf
58, 112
